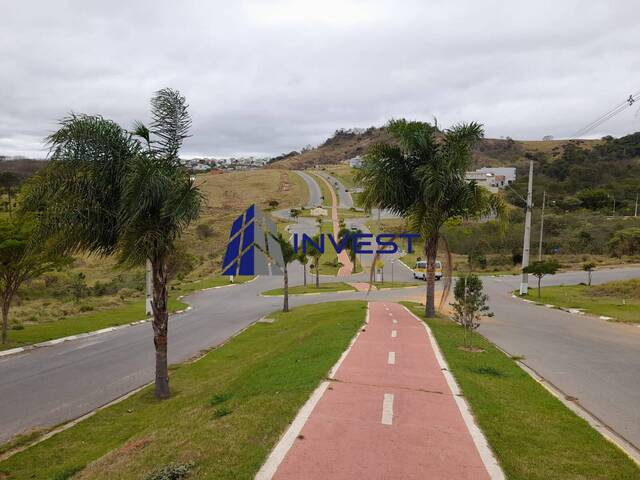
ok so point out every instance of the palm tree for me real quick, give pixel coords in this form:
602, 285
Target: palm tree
314, 253
288, 256
421, 178
303, 258
350, 244
108, 192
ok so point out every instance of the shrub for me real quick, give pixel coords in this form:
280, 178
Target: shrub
204, 231
173, 471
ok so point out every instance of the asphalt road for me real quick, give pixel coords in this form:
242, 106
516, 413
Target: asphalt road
595, 361
344, 197
315, 194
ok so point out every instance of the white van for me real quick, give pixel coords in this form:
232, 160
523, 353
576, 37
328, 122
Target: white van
420, 270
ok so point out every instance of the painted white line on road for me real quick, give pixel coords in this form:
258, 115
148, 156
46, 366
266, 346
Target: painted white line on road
394, 320
387, 409
394, 333
391, 314
391, 359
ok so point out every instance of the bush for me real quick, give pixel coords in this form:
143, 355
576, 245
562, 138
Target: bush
204, 231
625, 242
173, 471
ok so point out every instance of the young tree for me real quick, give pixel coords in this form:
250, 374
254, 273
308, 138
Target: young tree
350, 243
20, 260
470, 305
110, 192
589, 267
421, 177
542, 268
303, 259
315, 254
288, 256
294, 213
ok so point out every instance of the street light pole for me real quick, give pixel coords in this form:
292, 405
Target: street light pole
524, 283
544, 201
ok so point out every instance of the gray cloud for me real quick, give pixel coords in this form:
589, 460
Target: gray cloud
268, 77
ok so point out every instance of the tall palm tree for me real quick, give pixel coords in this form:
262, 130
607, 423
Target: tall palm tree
421, 177
350, 244
288, 256
303, 258
314, 253
110, 192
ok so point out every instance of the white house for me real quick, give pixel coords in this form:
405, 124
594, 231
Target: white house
509, 173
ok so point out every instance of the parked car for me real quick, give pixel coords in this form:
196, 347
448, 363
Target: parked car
420, 270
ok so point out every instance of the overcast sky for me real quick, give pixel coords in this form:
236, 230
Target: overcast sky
265, 77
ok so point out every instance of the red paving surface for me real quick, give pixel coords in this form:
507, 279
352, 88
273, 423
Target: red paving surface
344, 438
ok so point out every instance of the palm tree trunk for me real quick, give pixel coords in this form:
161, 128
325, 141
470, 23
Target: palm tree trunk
285, 307
318, 272
160, 326
304, 273
431, 252
539, 280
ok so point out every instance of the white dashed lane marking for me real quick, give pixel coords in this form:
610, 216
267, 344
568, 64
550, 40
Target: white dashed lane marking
387, 409
391, 360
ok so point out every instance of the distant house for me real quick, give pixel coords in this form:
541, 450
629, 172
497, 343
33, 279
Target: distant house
319, 212
509, 173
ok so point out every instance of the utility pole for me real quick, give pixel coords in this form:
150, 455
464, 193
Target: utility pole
148, 309
524, 283
544, 200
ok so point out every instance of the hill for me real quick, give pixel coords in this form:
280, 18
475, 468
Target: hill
346, 144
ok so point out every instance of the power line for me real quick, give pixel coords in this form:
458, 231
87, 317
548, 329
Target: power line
608, 115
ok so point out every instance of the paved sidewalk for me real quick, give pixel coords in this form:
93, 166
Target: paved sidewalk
343, 257
389, 413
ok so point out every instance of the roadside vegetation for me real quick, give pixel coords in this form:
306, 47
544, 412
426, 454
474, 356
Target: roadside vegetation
618, 300
228, 409
533, 435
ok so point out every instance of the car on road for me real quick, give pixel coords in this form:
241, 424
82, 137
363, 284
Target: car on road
420, 270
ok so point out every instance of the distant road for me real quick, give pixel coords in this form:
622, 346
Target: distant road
344, 197
595, 361
315, 194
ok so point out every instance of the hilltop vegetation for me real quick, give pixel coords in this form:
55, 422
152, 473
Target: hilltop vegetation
348, 143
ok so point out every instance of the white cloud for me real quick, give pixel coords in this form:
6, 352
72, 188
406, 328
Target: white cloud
267, 77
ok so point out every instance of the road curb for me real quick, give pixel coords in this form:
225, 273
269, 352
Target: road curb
574, 405
55, 341
574, 311
489, 459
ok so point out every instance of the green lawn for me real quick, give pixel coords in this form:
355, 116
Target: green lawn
129, 312
324, 189
532, 433
609, 299
226, 412
310, 288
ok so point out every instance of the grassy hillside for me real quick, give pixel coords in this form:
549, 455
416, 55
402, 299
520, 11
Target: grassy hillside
346, 144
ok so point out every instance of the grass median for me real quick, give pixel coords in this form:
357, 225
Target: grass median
533, 435
310, 288
226, 413
619, 300
131, 311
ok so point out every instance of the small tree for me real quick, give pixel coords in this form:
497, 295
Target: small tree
314, 253
542, 268
470, 305
288, 256
303, 259
273, 204
20, 260
589, 267
294, 213
350, 244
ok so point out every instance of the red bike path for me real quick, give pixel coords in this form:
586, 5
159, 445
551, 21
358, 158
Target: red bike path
390, 410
